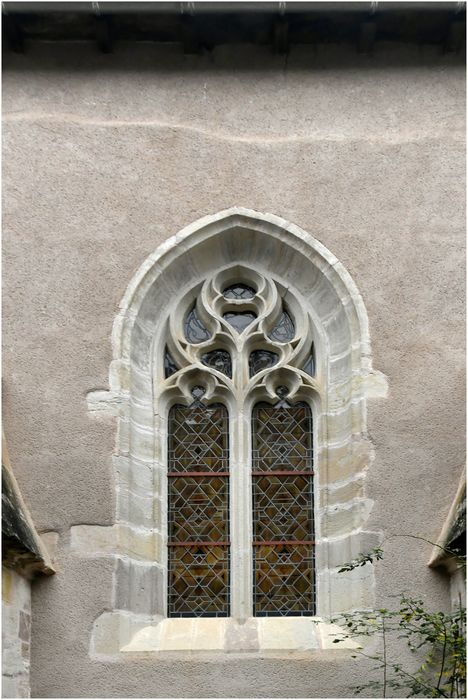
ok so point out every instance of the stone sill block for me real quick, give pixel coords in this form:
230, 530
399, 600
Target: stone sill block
268, 634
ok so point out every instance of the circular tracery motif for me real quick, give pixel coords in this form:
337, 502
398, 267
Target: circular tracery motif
260, 311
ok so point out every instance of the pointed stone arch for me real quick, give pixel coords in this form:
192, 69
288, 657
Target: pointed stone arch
346, 380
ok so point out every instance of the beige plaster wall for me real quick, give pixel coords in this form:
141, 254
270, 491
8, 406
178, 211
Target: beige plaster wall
107, 156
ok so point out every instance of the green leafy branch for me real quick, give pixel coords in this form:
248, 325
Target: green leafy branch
440, 637
377, 553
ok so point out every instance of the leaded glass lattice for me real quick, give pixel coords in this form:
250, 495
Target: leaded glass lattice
220, 360
198, 511
198, 439
261, 359
198, 581
309, 364
199, 508
284, 580
282, 438
284, 330
170, 366
282, 507
283, 528
240, 339
239, 320
194, 328
239, 291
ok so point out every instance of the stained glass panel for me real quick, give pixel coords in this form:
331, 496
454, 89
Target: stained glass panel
195, 331
283, 527
261, 359
198, 581
198, 510
170, 366
239, 291
282, 507
284, 580
284, 330
220, 360
239, 319
282, 438
309, 364
198, 439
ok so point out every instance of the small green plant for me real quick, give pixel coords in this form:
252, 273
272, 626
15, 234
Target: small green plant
363, 559
437, 639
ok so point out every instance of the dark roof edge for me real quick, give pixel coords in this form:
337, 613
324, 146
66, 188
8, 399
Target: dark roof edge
22, 547
454, 526
196, 8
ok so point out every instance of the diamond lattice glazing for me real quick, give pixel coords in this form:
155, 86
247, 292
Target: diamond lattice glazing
198, 439
282, 438
198, 511
284, 580
198, 508
282, 507
199, 581
283, 548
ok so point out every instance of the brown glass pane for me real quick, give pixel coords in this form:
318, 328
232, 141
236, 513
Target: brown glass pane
198, 581
282, 507
198, 439
283, 580
282, 438
283, 526
198, 510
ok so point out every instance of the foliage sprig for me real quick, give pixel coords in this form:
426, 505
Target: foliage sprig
437, 639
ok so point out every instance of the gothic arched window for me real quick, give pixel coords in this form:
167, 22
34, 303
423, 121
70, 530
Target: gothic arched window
200, 337
237, 380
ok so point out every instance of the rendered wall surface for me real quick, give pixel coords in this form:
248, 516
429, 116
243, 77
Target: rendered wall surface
105, 157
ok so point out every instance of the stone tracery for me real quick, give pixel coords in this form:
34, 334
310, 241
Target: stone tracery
238, 341
204, 337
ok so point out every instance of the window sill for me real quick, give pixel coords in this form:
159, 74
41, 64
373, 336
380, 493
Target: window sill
265, 634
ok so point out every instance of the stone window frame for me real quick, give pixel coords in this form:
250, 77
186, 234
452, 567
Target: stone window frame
297, 261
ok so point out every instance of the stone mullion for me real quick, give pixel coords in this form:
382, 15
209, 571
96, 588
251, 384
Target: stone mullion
241, 519
241, 515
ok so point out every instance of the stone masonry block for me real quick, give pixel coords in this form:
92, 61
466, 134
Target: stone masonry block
139, 588
346, 460
338, 520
